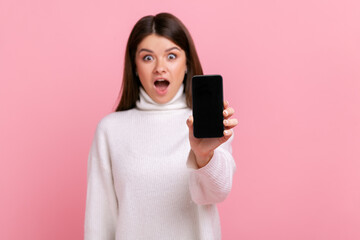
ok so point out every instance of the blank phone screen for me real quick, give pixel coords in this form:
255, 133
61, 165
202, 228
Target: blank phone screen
207, 94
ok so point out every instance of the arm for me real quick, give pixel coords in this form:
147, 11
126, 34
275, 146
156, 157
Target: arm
101, 201
212, 162
212, 183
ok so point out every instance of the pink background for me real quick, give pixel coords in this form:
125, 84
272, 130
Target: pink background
291, 71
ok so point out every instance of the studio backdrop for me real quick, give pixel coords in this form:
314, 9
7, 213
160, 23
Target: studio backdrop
291, 70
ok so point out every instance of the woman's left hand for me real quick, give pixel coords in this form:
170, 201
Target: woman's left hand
203, 148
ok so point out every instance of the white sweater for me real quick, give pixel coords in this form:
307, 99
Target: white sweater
142, 181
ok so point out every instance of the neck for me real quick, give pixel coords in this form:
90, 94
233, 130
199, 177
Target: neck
146, 103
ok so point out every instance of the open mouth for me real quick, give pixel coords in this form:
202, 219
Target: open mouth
161, 84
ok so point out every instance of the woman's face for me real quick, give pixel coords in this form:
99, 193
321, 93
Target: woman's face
161, 66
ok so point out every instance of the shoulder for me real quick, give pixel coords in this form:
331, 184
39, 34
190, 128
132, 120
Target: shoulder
115, 119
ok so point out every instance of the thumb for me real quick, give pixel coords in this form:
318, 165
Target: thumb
190, 125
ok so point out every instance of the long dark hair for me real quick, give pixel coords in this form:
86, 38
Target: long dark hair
170, 27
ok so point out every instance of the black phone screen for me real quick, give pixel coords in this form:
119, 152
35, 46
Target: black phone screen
208, 106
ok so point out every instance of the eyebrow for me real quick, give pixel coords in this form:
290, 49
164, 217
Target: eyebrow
167, 50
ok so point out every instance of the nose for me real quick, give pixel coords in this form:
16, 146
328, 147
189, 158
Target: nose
160, 66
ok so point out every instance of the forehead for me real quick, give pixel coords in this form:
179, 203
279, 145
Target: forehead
156, 43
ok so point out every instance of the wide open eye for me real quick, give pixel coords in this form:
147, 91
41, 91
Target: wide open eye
148, 58
171, 56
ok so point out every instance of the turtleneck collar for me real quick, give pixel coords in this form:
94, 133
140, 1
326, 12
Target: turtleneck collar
146, 103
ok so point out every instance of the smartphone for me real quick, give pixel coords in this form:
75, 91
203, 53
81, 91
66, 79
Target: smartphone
208, 106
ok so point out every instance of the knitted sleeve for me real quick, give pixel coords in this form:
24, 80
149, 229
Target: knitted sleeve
101, 201
212, 183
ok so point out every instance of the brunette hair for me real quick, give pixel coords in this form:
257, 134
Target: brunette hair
170, 27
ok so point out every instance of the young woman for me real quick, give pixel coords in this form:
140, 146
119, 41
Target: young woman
148, 177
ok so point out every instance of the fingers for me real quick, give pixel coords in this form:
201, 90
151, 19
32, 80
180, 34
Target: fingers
227, 135
226, 104
230, 123
228, 112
